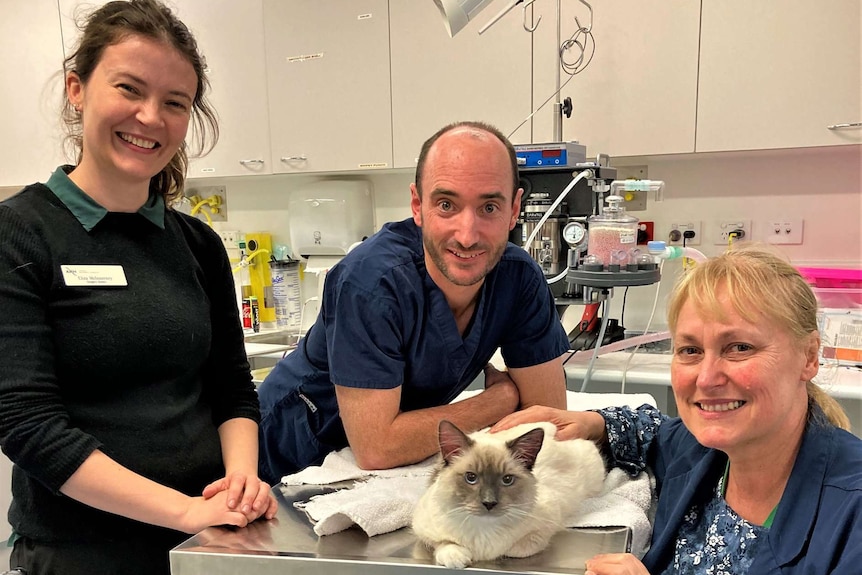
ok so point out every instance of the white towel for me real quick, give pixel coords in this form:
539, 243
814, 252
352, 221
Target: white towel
383, 502
623, 501
341, 466
378, 505
386, 499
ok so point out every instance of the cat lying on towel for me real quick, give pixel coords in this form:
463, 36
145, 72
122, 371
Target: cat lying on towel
503, 494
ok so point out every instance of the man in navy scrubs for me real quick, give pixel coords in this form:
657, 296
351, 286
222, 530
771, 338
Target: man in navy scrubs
413, 315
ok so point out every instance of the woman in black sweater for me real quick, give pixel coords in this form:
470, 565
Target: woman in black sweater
126, 402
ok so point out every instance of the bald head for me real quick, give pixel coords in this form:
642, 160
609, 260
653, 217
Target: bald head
480, 132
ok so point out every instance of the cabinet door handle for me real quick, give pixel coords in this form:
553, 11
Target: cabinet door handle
301, 158
247, 162
850, 125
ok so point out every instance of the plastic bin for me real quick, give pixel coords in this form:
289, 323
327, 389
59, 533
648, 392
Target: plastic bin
839, 295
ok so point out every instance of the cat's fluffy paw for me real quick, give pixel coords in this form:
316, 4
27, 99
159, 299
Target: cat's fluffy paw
453, 556
528, 545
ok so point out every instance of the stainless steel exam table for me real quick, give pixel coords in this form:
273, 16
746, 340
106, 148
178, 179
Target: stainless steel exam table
288, 545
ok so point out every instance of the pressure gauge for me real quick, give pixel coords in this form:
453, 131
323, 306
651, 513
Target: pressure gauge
574, 233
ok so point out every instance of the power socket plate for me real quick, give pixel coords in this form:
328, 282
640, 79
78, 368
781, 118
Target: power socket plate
683, 226
723, 229
784, 231
230, 239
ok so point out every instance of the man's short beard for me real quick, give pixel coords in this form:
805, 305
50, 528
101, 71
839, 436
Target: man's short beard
439, 261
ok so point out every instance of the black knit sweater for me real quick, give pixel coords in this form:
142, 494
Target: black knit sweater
145, 373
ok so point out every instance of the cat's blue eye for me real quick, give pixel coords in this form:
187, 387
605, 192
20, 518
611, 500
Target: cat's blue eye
471, 478
508, 480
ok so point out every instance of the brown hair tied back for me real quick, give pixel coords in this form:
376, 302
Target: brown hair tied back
111, 24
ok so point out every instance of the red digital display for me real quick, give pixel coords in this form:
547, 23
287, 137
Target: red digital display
552, 153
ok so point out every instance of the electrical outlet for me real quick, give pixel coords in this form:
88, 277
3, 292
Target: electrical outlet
230, 239
724, 228
646, 233
680, 230
784, 231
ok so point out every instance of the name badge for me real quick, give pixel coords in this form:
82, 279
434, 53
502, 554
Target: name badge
87, 275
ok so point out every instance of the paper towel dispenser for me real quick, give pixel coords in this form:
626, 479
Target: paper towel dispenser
328, 216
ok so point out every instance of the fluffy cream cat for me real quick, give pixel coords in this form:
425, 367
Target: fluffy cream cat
503, 494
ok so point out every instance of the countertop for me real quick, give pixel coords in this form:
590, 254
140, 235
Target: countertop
654, 369
256, 349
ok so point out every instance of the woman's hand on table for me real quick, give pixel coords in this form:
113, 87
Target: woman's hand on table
246, 494
208, 512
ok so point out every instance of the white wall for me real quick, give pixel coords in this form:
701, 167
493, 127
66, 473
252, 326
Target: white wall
822, 186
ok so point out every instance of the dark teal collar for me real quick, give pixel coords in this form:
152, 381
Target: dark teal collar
87, 211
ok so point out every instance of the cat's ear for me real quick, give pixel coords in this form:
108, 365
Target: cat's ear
526, 448
452, 440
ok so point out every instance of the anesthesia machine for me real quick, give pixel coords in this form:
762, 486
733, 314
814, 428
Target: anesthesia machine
573, 224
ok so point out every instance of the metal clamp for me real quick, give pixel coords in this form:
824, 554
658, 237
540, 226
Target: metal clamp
840, 126
301, 158
255, 162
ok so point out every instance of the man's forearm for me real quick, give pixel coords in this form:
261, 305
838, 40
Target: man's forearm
543, 384
412, 435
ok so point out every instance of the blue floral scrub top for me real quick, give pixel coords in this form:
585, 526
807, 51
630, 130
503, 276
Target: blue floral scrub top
713, 540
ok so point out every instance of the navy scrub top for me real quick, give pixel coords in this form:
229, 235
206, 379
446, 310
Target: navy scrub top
386, 324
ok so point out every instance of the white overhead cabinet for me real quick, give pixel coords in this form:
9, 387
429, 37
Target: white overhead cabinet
229, 36
639, 93
328, 74
31, 58
777, 73
437, 80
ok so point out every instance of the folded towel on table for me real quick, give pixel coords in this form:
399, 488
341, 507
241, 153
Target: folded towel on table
382, 501
624, 501
341, 465
378, 505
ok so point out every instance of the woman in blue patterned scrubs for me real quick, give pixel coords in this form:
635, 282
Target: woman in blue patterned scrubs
758, 475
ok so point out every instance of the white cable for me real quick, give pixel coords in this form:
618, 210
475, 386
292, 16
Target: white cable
646, 329
557, 202
605, 321
302, 312
563, 274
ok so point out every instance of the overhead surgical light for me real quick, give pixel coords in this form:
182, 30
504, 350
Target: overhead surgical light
457, 13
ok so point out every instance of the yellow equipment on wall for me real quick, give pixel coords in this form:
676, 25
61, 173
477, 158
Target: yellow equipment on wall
259, 246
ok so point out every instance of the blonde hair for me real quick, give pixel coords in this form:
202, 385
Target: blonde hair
759, 283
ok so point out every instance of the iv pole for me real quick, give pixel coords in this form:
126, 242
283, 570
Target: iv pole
559, 108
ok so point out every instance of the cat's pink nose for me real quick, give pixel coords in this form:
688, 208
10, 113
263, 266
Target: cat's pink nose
489, 505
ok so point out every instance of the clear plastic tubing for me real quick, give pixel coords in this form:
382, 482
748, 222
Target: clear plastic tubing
622, 344
660, 249
656, 186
